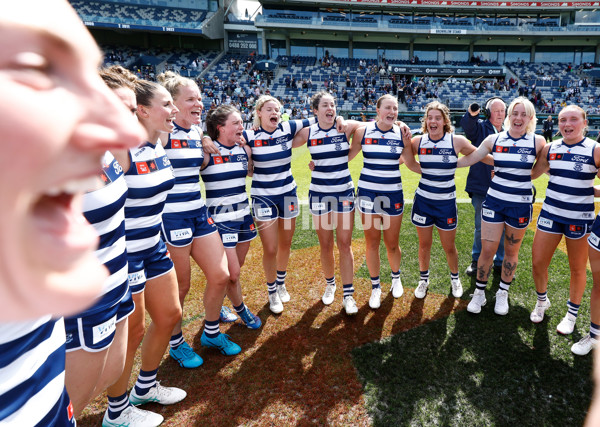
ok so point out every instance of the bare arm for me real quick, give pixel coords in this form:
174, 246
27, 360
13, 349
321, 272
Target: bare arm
406, 133
476, 156
209, 146
541, 165
356, 142
300, 138
464, 147
250, 162
348, 126
408, 157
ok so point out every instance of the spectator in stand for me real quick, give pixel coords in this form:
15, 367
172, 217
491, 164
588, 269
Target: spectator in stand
480, 174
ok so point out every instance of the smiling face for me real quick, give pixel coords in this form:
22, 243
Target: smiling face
189, 103
387, 113
435, 124
58, 119
269, 115
497, 113
159, 116
572, 124
519, 120
232, 130
325, 111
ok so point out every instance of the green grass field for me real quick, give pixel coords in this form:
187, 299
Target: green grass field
412, 362
466, 369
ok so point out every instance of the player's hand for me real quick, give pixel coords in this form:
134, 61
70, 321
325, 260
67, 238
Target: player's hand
209, 146
311, 165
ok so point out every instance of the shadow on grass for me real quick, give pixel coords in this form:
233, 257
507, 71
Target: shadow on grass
474, 370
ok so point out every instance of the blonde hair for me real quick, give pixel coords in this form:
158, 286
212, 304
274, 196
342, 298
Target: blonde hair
529, 110
442, 108
262, 100
116, 77
173, 81
576, 108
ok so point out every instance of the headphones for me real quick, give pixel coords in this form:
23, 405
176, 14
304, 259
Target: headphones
488, 103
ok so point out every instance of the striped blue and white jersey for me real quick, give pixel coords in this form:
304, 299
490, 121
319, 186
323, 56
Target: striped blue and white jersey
329, 151
381, 159
570, 192
149, 179
184, 150
272, 157
513, 161
438, 165
32, 372
225, 181
104, 209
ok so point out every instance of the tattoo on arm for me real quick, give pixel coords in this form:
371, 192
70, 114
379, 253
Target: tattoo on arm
512, 240
508, 268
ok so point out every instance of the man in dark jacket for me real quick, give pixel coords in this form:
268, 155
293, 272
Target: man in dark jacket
548, 129
480, 174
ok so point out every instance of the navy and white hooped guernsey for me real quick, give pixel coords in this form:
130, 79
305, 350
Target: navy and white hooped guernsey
149, 179
513, 161
104, 209
225, 182
32, 373
438, 160
381, 164
570, 192
329, 151
272, 157
184, 150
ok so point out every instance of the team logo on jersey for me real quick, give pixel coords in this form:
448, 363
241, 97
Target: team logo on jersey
292, 207
393, 149
451, 221
425, 151
105, 178
556, 156
524, 157
252, 227
576, 228
346, 202
502, 149
284, 146
398, 206
142, 168
260, 143
446, 159
369, 141
523, 220
210, 221
180, 143
314, 142
578, 167
338, 146
221, 159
